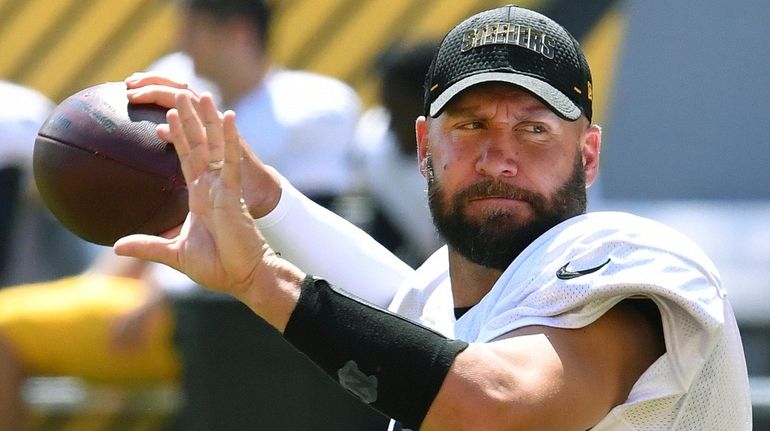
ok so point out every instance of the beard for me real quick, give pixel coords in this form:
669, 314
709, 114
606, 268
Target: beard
495, 241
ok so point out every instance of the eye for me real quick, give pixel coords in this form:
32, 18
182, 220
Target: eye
471, 125
536, 132
535, 128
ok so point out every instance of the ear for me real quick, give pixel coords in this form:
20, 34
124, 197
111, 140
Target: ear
421, 130
591, 144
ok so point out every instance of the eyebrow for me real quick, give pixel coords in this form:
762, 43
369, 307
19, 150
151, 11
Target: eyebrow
467, 111
475, 110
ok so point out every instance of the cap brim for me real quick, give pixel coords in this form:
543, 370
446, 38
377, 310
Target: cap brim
552, 97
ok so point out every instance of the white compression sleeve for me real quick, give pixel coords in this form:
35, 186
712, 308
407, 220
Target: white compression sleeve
324, 244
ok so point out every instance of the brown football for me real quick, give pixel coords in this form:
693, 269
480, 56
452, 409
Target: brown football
102, 170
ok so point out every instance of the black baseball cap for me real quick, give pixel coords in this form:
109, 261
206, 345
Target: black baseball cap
514, 45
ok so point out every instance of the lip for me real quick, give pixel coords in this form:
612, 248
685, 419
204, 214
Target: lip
498, 201
494, 198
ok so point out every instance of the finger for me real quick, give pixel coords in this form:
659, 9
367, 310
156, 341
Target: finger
231, 176
212, 121
181, 146
140, 79
164, 133
195, 135
148, 247
162, 95
163, 130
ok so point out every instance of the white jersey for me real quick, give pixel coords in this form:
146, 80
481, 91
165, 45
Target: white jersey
700, 383
180, 67
299, 122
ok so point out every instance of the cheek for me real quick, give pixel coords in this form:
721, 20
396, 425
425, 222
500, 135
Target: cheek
453, 170
546, 172
458, 153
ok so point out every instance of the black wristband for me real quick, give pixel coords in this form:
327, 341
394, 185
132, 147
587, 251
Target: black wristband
390, 362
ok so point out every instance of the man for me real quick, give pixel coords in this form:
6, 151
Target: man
19, 123
62, 312
105, 324
544, 317
297, 121
28, 233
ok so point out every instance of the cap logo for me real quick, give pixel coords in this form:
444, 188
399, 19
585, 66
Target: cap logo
504, 33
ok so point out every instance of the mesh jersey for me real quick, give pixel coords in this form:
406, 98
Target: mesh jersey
700, 383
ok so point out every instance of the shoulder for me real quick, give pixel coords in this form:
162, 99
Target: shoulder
617, 225
639, 240
313, 91
581, 268
639, 252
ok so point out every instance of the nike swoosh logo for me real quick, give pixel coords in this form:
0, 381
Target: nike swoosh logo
564, 274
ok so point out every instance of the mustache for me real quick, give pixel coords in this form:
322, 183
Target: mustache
497, 189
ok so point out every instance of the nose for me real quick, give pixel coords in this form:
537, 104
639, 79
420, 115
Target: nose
498, 157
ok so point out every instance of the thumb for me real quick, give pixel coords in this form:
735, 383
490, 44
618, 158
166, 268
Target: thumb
148, 247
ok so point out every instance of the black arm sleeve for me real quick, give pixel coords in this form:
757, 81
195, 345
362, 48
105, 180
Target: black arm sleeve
390, 362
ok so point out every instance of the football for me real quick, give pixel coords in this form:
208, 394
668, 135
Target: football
101, 169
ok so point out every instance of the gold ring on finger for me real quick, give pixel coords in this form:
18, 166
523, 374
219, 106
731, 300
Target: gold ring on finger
216, 165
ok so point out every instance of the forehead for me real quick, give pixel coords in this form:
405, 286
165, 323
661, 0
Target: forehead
490, 93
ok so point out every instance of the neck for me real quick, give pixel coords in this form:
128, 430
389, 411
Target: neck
470, 281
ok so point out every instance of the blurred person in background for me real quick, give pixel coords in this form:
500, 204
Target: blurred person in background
29, 234
297, 121
126, 319
301, 123
385, 149
109, 324
179, 66
63, 312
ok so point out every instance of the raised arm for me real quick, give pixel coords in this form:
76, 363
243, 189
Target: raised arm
302, 231
537, 377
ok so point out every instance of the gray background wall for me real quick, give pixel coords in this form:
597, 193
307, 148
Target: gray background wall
690, 116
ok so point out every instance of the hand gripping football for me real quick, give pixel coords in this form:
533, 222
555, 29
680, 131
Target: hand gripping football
102, 170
